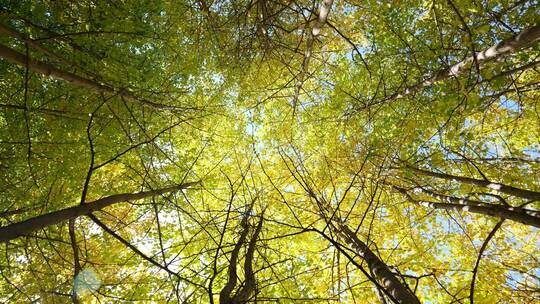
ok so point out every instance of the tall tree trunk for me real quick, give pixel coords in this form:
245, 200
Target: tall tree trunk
510, 190
28, 226
250, 283
506, 47
522, 215
324, 10
225, 293
35, 45
510, 213
49, 70
378, 268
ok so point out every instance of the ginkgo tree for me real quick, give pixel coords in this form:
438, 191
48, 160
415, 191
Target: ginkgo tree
270, 151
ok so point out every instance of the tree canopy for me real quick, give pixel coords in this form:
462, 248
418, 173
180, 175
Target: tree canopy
270, 151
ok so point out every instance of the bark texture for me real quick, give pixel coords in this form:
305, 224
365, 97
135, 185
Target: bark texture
324, 10
522, 215
377, 267
504, 48
225, 294
28, 226
49, 70
249, 287
510, 190
504, 212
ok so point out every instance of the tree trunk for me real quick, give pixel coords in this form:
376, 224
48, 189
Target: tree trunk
522, 215
528, 194
510, 213
34, 44
250, 283
48, 70
324, 10
225, 294
28, 226
506, 47
378, 268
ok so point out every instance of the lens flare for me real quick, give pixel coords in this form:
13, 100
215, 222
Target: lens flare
86, 281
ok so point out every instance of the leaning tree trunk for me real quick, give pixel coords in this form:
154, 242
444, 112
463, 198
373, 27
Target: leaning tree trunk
504, 48
28, 226
379, 270
388, 280
382, 275
510, 190
517, 214
503, 212
49, 70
